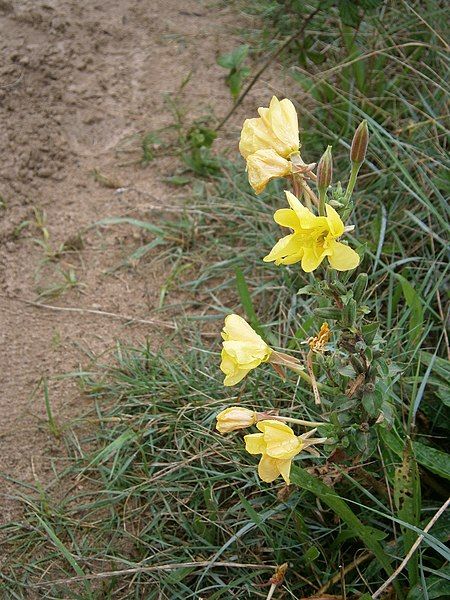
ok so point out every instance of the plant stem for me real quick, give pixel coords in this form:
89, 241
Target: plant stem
352, 181
306, 377
322, 198
298, 421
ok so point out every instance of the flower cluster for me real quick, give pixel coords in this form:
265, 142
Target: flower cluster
271, 147
277, 443
268, 142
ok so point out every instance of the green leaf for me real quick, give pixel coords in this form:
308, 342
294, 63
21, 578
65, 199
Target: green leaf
415, 305
233, 59
440, 366
327, 495
311, 554
407, 501
434, 460
246, 299
234, 81
437, 586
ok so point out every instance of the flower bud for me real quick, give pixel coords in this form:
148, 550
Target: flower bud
325, 171
360, 143
234, 418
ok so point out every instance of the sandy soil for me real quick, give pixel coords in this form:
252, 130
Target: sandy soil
79, 82
77, 78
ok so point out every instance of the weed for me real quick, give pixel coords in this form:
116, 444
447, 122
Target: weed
237, 71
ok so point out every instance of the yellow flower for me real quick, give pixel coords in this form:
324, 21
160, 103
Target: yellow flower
243, 349
264, 165
268, 141
313, 239
278, 445
234, 418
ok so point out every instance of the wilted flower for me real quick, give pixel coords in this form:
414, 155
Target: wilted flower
234, 418
319, 341
243, 349
264, 165
313, 239
278, 445
268, 141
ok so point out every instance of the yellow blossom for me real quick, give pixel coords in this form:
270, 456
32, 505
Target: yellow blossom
264, 165
268, 141
243, 349
319, 341
278, 445
234, 418
313, 238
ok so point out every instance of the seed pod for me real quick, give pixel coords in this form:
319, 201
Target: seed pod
349, 313
360, 143
338, 287
325, 171
359, 287
357, 364
328, 312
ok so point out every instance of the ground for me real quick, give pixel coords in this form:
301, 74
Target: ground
79, 82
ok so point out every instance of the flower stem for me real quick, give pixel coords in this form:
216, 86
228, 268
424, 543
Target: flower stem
322, 198
307, 378
352, 181
299, 422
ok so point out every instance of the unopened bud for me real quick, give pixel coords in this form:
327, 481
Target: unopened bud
325, 171
234, 418
360, 143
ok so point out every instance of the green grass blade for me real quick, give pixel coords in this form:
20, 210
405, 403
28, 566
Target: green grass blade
308, 482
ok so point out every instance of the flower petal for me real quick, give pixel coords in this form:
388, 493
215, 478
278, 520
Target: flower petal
254, 443
306, 218
268, 468
281, 441
286, 217
342, 257
247, 355
284, 466
237, 328
273, 424
264, 165
335, 224
286, 251
312, 258
233, 372
258, 135
235, 377
281, 117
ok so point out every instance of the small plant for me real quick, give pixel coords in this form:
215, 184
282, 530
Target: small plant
237, 70
69, 280
346, 366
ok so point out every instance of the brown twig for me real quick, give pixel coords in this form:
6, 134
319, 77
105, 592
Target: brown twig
102, 313
310, 369
413, 548
265, 65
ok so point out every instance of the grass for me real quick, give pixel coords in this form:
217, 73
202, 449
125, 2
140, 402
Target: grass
150, 489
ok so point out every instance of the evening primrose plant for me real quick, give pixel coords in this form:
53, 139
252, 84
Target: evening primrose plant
343, 362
